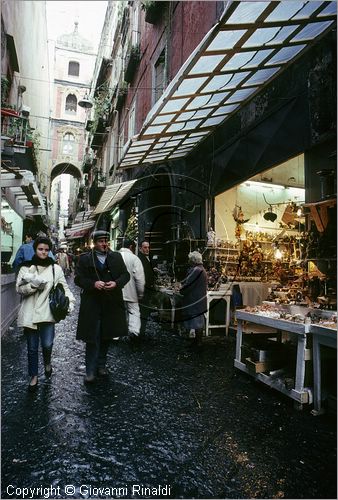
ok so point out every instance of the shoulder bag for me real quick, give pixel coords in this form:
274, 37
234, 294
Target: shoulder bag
58, 302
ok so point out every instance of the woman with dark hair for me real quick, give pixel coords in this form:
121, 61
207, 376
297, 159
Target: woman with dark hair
34, 282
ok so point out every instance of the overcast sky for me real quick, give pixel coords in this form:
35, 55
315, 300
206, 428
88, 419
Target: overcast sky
61, 16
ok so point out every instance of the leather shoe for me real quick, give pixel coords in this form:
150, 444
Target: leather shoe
89, 379
33, 387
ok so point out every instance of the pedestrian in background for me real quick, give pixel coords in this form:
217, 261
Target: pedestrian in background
101, 274
194, 290
133, 291
63, 261
34, 282
71, 261
26, 251
149, 289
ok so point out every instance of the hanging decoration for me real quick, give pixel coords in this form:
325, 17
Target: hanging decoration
6, 227
132, 227
238, 216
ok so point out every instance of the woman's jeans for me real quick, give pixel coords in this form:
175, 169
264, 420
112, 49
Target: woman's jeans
96, 353
45, 332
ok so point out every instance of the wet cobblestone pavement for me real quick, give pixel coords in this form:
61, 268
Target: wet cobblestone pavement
167, 415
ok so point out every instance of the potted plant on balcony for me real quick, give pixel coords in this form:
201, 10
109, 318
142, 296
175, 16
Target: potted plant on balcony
153, 10
6, 108
102, 105
29, 138
4, 91
132, 61
121, 95
36, 140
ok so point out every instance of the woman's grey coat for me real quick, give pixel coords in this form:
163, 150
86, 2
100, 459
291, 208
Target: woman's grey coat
194, 302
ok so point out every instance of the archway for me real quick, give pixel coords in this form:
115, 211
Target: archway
65, 168
64, 196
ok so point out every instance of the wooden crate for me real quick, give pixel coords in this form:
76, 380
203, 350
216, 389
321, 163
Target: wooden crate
258, 366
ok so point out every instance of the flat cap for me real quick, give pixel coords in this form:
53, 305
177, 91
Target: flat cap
100, 234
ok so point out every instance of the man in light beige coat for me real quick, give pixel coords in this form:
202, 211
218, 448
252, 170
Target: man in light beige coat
133, 291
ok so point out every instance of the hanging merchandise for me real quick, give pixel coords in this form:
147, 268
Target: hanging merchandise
238, 216
289, 215
6, 227
270, 215
132, 227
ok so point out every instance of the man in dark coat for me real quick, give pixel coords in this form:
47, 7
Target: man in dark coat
149, 289
101, 274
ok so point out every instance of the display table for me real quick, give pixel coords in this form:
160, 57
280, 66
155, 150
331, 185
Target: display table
171, 295
299, 393
174, 297
218, 295
253, 292
321, 335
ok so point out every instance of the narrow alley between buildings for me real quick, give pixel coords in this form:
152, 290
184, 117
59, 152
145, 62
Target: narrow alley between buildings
182, 422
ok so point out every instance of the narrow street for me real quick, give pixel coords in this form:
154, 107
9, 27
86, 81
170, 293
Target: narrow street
167, 417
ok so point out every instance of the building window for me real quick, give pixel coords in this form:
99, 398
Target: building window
159, 77
135, 34
120, 146
73, 68
131, 122
71, 104
68, 144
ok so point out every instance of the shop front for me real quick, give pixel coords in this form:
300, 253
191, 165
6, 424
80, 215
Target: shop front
77, 234
251, 115
252, 97
115, 208
21, 205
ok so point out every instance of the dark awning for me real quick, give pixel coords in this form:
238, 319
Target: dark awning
12, 53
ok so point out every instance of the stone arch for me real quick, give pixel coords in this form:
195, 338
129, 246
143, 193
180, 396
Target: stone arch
65, 168
55, 190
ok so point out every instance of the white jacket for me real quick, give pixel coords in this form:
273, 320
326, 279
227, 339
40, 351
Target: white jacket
35, 303
134, 289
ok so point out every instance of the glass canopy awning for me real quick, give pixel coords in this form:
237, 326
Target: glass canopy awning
251, 45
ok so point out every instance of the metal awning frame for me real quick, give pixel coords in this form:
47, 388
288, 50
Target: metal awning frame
112, 195
82, 216
157, 131
80, 226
